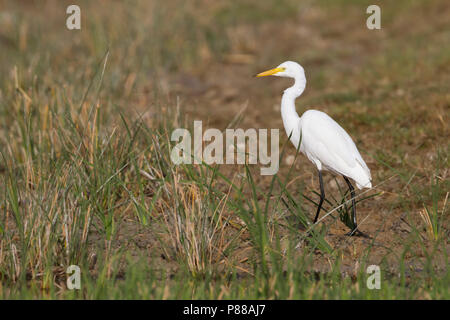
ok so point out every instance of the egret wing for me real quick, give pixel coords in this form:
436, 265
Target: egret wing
329, 143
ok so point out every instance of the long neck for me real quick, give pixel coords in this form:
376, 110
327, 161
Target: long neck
288, 114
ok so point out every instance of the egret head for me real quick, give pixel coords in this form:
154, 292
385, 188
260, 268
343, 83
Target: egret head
288, 69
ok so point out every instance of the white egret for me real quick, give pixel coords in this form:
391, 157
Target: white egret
322, 140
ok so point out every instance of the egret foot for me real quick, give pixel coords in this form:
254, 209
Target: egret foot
356, 233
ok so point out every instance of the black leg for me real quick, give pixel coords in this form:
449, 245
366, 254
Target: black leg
352, 193
322, 196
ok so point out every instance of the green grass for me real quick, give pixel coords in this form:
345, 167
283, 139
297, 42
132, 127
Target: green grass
85, 124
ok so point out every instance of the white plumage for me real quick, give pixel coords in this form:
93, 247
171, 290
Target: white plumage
329, 147
322, 139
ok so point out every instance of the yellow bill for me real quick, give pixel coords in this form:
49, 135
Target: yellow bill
270, 72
